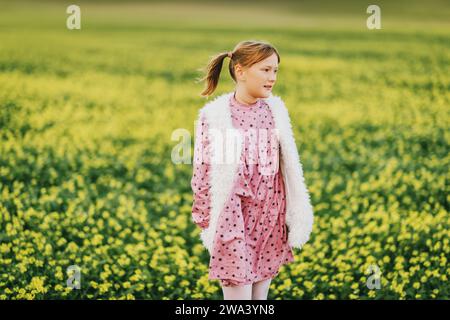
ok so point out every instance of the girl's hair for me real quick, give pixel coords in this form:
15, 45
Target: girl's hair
245, 53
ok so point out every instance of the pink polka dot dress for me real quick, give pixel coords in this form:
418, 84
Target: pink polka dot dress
251, 239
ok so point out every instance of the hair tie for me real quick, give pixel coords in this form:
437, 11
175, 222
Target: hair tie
230, 54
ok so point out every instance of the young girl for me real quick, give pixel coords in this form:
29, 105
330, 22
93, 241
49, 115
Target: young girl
254, 208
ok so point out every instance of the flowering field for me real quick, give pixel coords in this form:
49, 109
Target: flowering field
86, 177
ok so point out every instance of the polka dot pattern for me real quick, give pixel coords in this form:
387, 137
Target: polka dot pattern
251, 238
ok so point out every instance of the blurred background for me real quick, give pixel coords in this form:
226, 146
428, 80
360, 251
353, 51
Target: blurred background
86, 118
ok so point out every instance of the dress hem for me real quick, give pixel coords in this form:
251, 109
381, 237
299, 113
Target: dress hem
235, 281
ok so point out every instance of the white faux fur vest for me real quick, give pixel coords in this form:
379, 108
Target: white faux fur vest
299, 213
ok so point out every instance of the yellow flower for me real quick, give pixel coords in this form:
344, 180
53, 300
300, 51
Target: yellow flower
97, 239
37, 284
123, 260
184, 283
59, 287
72, 247
104, 287
169, 279
320, 296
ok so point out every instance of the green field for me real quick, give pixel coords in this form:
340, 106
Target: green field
86, 118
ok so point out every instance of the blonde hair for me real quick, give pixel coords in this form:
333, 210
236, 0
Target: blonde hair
246, 53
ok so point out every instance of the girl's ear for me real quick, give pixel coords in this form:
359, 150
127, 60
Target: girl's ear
239, 72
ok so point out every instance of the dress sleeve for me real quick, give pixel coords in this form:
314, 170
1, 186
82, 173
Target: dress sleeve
200, 182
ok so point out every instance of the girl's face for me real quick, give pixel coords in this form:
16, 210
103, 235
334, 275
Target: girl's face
259, 79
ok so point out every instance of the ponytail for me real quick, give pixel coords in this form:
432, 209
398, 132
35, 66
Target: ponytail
213, 70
